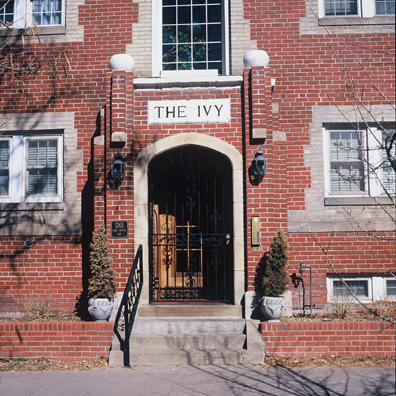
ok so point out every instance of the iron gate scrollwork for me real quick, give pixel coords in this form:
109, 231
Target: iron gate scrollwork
191, 257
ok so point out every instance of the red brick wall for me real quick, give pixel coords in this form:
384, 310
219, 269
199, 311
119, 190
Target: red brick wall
55, 340
352, 253
49, 271
302, 81
318, 339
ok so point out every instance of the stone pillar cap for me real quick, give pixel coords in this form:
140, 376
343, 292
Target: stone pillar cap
122, 62
255, 58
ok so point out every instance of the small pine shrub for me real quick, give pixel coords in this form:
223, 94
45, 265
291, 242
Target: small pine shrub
102, 283
275, 278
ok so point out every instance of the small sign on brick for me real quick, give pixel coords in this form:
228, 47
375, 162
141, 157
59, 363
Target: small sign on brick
119, 229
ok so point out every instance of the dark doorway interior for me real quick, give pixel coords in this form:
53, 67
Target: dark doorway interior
191, 217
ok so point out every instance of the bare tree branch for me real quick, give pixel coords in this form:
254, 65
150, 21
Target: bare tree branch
15, 59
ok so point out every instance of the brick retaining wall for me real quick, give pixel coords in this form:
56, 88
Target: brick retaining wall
55, 340
315, 339
89, 340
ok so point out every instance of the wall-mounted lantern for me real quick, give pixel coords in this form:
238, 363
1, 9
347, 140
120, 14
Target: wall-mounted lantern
117, 172
259, 168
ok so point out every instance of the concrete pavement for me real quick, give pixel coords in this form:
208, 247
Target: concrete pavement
227, 380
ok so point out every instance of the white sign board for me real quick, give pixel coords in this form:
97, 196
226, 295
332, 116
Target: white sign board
189, 111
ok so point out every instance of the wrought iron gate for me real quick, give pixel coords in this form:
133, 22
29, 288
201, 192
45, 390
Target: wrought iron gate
191, 253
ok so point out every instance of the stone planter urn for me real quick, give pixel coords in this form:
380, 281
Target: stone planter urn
273, 308
100, 308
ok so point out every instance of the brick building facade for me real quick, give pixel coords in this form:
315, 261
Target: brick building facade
213, 118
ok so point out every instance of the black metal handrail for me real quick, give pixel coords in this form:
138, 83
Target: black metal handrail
129, 304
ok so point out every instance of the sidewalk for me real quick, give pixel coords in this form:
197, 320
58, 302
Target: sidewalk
201, 380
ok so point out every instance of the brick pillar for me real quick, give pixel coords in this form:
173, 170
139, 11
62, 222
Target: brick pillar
260, 197
260, 102
121, 104
120, 200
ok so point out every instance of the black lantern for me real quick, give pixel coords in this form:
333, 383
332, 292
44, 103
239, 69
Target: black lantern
259, 165
117, 172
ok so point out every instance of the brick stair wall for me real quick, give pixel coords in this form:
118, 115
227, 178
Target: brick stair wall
317, 339
66, 341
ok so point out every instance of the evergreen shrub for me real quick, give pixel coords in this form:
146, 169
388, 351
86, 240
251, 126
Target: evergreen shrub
276, 279
102, 283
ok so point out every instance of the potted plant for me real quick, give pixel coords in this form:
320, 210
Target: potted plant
275, 278
102, 284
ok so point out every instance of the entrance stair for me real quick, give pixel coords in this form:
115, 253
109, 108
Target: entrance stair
191, 335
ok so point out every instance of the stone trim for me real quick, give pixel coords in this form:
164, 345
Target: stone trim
141, 199
357, 201
142, 38
322, 214
343, 25
190, 82
72, 31
48, 218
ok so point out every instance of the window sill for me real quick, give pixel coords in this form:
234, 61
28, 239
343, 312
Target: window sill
356, 20
42, 30
357, 201
187, 81
33, 206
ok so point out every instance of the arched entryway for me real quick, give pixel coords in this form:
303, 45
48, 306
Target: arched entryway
191, 225
142, 205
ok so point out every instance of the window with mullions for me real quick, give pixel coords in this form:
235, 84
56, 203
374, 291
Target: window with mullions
47, 12
192, 35
346, 162
7, 12
21, 13
360, 288
340, 7
384, 7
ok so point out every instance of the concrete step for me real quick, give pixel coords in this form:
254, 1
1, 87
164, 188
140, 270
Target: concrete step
191, 341
187, 341
190, 311
187, 325
190, 357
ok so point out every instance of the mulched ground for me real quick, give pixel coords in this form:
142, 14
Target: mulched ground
343, 312
44, 364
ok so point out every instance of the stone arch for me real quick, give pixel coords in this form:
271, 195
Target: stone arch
141, 231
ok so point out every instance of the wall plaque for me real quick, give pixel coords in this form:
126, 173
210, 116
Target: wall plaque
189, 111
119, 229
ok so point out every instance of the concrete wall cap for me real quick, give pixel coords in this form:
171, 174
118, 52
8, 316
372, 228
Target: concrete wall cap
255, 58
122, 62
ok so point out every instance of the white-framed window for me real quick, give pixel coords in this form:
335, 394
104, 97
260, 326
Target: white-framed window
390, 288
355, 162
7, 12
190, 35
4, 167
361, 287
372, 287
359, 8
384, 7
22, 13
31, 168
388, 174
341, 7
